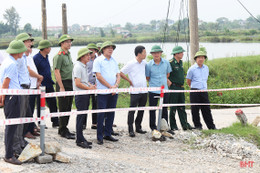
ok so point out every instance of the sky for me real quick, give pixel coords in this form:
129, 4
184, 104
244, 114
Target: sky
99, 13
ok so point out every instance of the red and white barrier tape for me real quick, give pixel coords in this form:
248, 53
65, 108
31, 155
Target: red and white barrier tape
61, 114
211, 90
14, 121
102, 91
19, 92
71, 93
210, 104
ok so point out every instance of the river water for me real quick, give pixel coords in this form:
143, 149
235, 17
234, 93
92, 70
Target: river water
125, 52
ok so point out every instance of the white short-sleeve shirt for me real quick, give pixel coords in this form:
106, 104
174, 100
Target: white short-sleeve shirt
31, 64
136, 73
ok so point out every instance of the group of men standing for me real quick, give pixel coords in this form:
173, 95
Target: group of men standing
96, 68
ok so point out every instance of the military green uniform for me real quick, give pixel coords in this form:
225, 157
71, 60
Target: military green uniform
63, 62
177, 79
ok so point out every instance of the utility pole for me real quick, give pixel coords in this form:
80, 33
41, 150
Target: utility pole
44, 20
194, 32
64, 19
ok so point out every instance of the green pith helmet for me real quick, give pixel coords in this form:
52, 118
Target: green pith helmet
23, 37
177, 49
202, 52
64, 37
92, 46
44, 44
156, 48
82, 52
99, 45
106, 44
15, 47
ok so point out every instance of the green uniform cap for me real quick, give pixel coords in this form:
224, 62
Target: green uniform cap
106, 44
23, 37
64, 37
92, 46
177, 49
44, 44
82, 52
156, 48
15, 47
99, 45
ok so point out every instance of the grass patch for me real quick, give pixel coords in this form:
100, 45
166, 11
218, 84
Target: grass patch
248, 132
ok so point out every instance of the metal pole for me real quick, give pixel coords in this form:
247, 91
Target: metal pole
160, 110
194, 32
42, 124
64, 19
44, 20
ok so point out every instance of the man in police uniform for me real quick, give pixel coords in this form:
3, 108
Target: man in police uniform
63, 66
176, 82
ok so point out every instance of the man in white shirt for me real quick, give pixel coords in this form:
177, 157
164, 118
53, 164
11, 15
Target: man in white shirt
135, 70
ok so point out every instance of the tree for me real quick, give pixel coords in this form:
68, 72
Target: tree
12, 18
129, 26
4, 28
112, 33
75, 27
102, 33
27, 27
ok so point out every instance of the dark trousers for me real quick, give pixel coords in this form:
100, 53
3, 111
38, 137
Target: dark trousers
105, 101
94, 106
201, 97
11, 110
136, 100
65, 104
52, 104
153, 102
25, 111
32, 99
178, 98
82, 103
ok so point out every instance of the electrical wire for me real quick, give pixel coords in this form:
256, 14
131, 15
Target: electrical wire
248, 11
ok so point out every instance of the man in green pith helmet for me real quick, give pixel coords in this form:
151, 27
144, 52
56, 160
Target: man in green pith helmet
63, 66
176, 82
197, 77
92, 80
99, 45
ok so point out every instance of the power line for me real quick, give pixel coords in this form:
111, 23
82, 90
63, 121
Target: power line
166, 23
248, 11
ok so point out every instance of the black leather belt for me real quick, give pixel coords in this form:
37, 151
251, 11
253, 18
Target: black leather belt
25, 86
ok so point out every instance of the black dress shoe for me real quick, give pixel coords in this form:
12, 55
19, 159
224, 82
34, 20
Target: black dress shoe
198, 128
171, 132
13, 160
132, 134
100, 142
110, 138
68, 136
141, 131
89, 143
84, 145
114, 133
73, 134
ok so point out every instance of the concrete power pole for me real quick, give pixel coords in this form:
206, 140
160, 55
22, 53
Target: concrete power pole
194, 32
64, 19
44, 20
